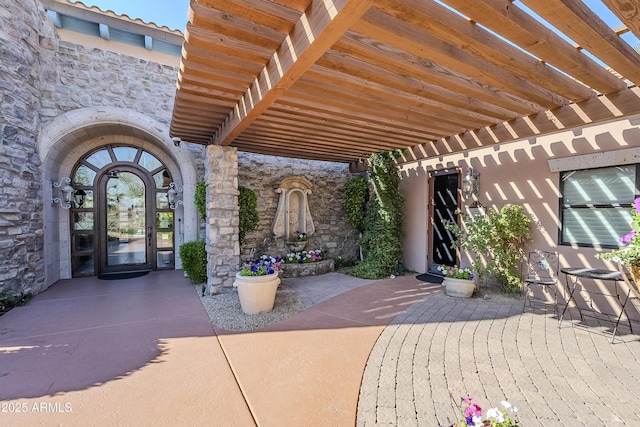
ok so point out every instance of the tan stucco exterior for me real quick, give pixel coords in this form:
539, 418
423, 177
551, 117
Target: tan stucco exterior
525, 172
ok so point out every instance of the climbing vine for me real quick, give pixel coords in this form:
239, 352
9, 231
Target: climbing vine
248, 204
382, 237
200, 199
356, 194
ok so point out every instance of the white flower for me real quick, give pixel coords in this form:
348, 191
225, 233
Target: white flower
496, 414
506, 404
477, 422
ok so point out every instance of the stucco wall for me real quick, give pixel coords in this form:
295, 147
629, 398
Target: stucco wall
520, 173
414, 187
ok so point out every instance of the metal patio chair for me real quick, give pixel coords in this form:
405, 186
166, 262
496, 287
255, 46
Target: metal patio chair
542, 274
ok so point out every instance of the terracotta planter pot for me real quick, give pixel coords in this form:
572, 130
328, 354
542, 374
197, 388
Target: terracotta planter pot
460, 288
257, 293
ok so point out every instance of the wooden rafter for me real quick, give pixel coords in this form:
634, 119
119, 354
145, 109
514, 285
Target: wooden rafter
340, 79
322, 24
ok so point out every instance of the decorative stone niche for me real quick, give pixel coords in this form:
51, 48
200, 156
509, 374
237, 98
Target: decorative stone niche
293, 212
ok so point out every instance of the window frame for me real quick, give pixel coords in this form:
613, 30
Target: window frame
562, 206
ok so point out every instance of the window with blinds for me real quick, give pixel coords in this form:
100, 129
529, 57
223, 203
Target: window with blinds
596, 205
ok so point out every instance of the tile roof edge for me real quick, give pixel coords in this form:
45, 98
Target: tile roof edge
79, 4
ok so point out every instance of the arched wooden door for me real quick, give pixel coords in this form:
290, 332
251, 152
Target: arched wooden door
124, 221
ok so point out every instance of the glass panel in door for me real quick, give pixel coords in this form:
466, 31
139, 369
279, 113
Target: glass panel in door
126, 225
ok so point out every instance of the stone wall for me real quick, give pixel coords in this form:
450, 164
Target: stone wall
87, 77
42, 77
333, 234
27, 45
223, 248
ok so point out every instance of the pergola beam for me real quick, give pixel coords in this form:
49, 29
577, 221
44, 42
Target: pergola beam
322, 24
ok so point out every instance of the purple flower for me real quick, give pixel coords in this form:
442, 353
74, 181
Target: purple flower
636, 202
629, 236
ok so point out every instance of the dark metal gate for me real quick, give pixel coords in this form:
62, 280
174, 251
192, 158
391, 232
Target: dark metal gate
445, 203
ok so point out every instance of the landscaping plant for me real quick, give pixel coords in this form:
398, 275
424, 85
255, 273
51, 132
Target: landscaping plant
382, 237
497, 241
200, 199
194, 260
356, 194
8, 300
248, 204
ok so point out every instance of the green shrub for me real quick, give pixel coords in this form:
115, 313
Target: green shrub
248, 204
8, 300
194, 260
356, 194
200, 199
497, 241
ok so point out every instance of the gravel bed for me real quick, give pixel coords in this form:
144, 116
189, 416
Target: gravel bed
225, 312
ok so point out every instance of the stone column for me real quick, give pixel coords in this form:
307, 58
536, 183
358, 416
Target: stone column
28, 43
223, 246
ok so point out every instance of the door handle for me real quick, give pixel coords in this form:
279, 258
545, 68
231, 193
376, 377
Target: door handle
149, 235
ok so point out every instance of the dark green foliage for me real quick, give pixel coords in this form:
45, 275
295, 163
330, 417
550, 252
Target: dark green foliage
8, 300
343, 263
194, 260
356, 194
200, 199
382, 237
248, 204
497, 241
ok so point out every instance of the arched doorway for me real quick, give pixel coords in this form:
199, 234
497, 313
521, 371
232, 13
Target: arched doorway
121, 219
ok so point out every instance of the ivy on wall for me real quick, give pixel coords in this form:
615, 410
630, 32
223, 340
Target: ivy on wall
248, 204
200, 199
356, 194
382, 236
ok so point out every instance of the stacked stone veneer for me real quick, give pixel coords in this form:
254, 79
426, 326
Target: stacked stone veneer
42, 77
307, 269
223, 249
89, 77
27, 46
333, 234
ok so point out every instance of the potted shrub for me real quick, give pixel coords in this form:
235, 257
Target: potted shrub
458, 282
257, 284
497, 241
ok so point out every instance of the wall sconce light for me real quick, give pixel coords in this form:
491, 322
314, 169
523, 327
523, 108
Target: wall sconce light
471, 183
66, 190
176, 141
172, 196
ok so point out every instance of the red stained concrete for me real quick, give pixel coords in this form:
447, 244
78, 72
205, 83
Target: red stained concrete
142, 352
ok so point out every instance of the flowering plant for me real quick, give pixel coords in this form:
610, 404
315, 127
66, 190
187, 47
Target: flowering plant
629, 253
471, 415
455, 272
298, 237
261, 267
303, 257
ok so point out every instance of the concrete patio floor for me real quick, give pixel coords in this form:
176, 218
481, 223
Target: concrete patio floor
142, 352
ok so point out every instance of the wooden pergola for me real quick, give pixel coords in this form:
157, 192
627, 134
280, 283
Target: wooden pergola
339, 79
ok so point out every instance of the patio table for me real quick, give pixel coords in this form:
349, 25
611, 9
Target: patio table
573, 277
